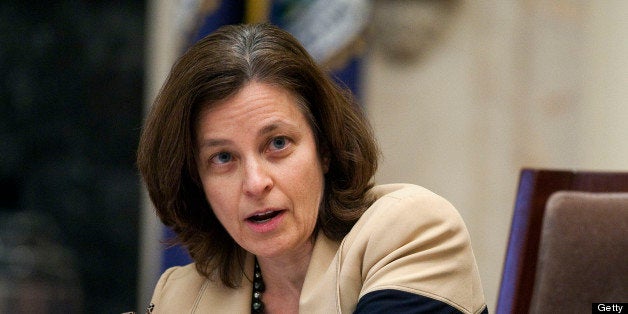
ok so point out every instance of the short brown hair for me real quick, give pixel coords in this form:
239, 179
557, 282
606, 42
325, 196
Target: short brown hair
216, 67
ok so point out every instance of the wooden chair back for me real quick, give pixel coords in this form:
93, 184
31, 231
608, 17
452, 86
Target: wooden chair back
535, 187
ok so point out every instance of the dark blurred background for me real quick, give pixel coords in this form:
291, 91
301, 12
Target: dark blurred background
71, 90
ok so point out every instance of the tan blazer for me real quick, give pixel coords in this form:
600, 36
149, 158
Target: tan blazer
409, 240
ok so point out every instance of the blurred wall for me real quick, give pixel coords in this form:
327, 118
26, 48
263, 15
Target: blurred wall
508, 84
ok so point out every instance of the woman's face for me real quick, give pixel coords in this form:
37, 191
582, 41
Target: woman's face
261, 171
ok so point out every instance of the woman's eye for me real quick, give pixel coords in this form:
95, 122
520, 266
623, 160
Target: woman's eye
221, 158
278, 143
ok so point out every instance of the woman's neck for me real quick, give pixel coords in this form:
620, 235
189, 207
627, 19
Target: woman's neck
286, 271
284, 277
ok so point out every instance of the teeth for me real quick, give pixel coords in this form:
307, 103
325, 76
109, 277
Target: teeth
264, 216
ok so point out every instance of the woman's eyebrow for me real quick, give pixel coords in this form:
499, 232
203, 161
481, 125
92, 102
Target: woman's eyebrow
268, 129
209, 143
274, 126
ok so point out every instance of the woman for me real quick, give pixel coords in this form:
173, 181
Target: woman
263, 168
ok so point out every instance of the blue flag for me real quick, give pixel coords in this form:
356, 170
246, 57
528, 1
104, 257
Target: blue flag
332, 31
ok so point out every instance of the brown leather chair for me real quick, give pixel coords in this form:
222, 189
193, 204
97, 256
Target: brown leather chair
521, 284
583, 253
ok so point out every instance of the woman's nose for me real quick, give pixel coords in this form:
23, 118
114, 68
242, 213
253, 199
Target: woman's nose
257, 179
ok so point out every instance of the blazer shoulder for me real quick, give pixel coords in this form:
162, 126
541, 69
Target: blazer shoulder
413, 240
396, 202
177, 288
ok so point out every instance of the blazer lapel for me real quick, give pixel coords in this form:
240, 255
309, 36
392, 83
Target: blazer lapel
319, 292
215, 298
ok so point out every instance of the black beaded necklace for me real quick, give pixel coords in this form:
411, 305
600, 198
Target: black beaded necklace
257, 306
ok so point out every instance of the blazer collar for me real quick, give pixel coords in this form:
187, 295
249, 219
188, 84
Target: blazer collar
214, 297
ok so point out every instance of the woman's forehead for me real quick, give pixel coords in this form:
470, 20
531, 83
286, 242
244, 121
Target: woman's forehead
257, 106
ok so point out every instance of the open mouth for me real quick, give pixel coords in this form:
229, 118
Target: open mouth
264, 217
